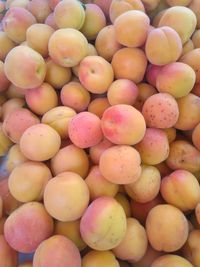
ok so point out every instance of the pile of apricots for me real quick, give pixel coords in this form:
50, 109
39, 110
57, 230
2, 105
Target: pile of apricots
100, 133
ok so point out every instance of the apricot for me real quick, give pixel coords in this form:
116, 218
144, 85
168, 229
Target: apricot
181, 189
132, 249
8, 255
17, 122
171, 134
21, 233
104, 188
172, 232
146, 188
43, 33
11, 105
119, 7
40, 9
188, 120
70, 230
56, 75
98, 105
145, 90
19, 3
129, 63
136, 33
99, 259
58, 118
85, 130
160, 111
187, 47
69, 14
168, 46
149, 257
103, 225
191, 249
65, 253
4, 82
96, 151
41, 99
124, 202
15, 23
71, 54
70, 158
181, 19
183, 155
28, 186
151, 151
152, 74
178, 2
127, 167
5, 142
51, 21
176, 79
25, 76
95, 74
1, 207
122, 91
106, 42
40, 142
75, 96
192, 59
195, 136
194, 6
123, 124
171, 261
95, 20
6, 44
15, 92
66, 197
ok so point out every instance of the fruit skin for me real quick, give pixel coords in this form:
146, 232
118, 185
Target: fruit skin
127, 167
104, 188
95, 74
131, 28
95, 20
171, 261
16, 123
132, 249
30, 220
103, 225
106, 42
191, 248
76, 50
69, 14
33, 182
43, 33
40, 9
129, 63
151, 150
161, 111
171, 234
6, 44
66, 196
85, 130
24, 76
123, 125
177, 16
70, 230
183, 155
40, 142
70, 158
8, 255
188, 120
65, 253
100, 258
146, 188
181, 189
42, 98
58, 118
16, 22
